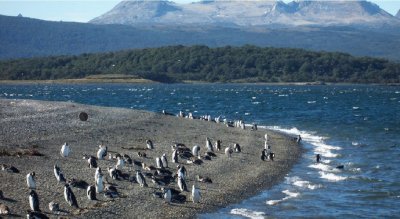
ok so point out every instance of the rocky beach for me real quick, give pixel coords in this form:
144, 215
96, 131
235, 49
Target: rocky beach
43, 127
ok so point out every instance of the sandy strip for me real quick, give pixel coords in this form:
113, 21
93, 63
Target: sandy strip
47, 125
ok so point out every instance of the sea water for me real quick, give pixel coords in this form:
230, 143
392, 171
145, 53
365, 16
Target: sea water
357, 126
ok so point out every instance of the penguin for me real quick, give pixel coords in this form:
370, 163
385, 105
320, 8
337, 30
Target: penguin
113, 173
167, 195
34, 201
149, 144
237, 148
182, 184
209, 145
196, 151
69, 196
271, 156
140, 179
175, 156
164, 161
266, 137
99, 183
318, 158
97, 173
30, 180
102, 152
263, 155
111, 191
159, 163
91, 193
4, 210
266, 146
228, 151
35, 215
59, 175
92, 162
65, 150
195, 194
10, 169
54, 207
128, 159
120, 163
218, 145
181, 171
340, 167
254, 127
298, 139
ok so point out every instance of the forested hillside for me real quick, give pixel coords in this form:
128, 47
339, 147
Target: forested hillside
201, 63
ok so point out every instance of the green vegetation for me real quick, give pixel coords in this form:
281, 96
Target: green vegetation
201, 63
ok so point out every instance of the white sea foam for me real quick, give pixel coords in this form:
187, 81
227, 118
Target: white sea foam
248, 213
331, 176
289, 195
297, 181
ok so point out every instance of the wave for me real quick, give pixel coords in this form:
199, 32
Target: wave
331, 176
298, 182
289, 195
248, 213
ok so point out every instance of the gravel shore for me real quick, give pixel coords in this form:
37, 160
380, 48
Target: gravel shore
45, 126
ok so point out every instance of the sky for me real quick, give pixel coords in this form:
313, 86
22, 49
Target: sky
85, 10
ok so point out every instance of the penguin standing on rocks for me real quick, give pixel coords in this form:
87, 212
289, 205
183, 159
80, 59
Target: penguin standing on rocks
65, 150
181, 171
140, 179
30, 180
69, 196
54, 207
102, 152
218, 145
228, 151
164, 161
182, 184
175, 156
34, 201
159, 163
195, 194
91, 193
263, 155
167, 195
149, 144
99, 182
58, 173
120, 162
236, 148
209, 145
196, 151
92, 162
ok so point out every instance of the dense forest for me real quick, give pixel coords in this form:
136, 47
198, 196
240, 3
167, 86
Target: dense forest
201, 63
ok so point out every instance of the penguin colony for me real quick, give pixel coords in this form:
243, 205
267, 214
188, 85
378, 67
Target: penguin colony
169, 182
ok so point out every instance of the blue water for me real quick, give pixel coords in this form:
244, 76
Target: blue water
354, 126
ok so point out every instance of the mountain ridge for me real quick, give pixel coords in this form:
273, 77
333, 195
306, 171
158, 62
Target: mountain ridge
247, 13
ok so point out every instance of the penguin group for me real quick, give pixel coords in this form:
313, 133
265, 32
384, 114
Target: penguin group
171, 183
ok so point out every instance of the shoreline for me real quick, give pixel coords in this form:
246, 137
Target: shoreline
47, 125
146, 81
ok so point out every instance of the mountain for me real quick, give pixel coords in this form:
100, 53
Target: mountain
24, 37
398, 14
247, 13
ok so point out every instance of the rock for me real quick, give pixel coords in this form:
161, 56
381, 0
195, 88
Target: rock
83, 116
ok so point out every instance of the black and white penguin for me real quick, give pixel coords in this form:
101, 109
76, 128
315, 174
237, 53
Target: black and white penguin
218, 145
9, 169
271, 156
34, 201
228, 151
128, 159
112, 171
175, 156
92, 161
120, 163
69, 196
298, 139
164, 161
140, 179
54, 207
264, 155
58, 173
196, 151
102, 152
195, 194
65, 150
181, 171
30, 180
159, 164
209, 145
254, 127
91, 193
149, 144
99, 182
167, 195
182, 184
237, 148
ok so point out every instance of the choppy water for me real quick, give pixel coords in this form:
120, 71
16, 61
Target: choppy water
354, 126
